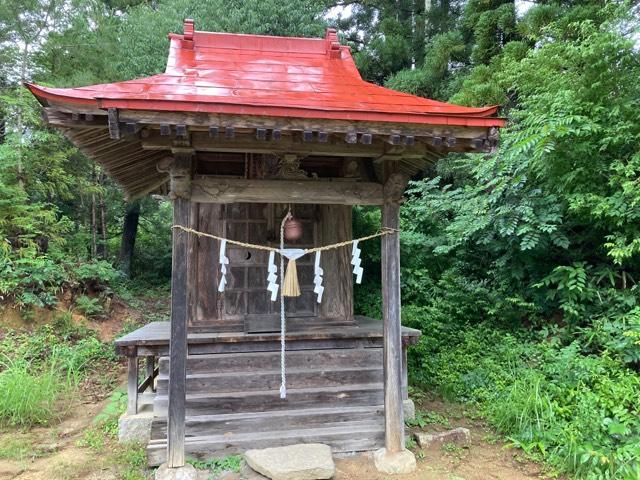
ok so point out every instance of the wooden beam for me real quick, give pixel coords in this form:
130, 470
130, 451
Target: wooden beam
114, 123
218, 190
247, 143
180, 192
61, 119
181, 131
392, 338
202, 120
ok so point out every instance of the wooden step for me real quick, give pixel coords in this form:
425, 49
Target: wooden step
253, 361
269, 400
345, 438
202, 425
270, 379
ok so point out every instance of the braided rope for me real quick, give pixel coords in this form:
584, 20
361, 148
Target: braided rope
383, 231
283, 321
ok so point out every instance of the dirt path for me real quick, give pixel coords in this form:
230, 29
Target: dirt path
485, 458
54, 453
50, 453
480, 461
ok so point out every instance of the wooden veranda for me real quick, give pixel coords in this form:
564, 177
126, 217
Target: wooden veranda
238, 131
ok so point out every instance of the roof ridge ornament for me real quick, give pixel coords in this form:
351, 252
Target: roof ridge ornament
188, 28
333, 43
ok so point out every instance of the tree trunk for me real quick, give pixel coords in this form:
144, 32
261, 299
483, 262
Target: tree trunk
103, 221
94, 227
129, 231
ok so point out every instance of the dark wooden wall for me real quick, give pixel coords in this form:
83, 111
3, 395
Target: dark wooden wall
245, 304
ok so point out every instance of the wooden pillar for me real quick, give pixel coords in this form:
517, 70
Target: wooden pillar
405, 373
150, 370
132, 383
180, 194
394, 421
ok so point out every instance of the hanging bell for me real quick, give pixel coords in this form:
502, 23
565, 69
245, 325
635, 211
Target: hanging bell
292, 229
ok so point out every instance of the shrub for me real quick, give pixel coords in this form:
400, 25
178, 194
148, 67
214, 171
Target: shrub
577, 411
89, 306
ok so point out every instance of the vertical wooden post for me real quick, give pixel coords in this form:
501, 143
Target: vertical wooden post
180, 193
150, 369
405, 373
132, 384
392, 342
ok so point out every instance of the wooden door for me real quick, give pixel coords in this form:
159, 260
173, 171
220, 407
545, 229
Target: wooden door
246, 295
245, 304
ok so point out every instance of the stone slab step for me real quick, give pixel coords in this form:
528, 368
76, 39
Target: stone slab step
346, 438
200, 425
267, 400
252, 361
270, 379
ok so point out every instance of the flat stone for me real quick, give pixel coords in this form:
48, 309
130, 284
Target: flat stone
135, 428
395, 463
248, 473
188, 472
310, 461
460, 436
409, 409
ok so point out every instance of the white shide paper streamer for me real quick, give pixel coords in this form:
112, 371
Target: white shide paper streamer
272, 286
317, 278
355, 261
224, 261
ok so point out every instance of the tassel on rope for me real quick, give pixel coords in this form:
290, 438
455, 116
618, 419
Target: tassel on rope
291, 286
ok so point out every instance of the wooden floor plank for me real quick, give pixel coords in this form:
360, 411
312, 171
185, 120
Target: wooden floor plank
157, 333
347, 438
276, 420
252, 361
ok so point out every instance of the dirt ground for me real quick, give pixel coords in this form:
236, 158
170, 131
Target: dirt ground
51, 453
54, 453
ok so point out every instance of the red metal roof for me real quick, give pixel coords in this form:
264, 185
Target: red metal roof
271, 76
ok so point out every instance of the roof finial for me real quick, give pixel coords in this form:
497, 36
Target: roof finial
333, 43
188, 28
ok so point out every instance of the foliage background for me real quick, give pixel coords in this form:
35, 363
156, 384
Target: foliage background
520, 268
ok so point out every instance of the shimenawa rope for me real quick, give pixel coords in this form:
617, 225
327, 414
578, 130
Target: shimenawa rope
290, 286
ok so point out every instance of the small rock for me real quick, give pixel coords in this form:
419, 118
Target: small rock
460, 435
188, 472
135, 428
311, 461
395, 463
409, 409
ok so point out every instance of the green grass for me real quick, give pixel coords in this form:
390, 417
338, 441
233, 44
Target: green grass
41, 370
231, 463
424, 418
129, 460
30, 396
